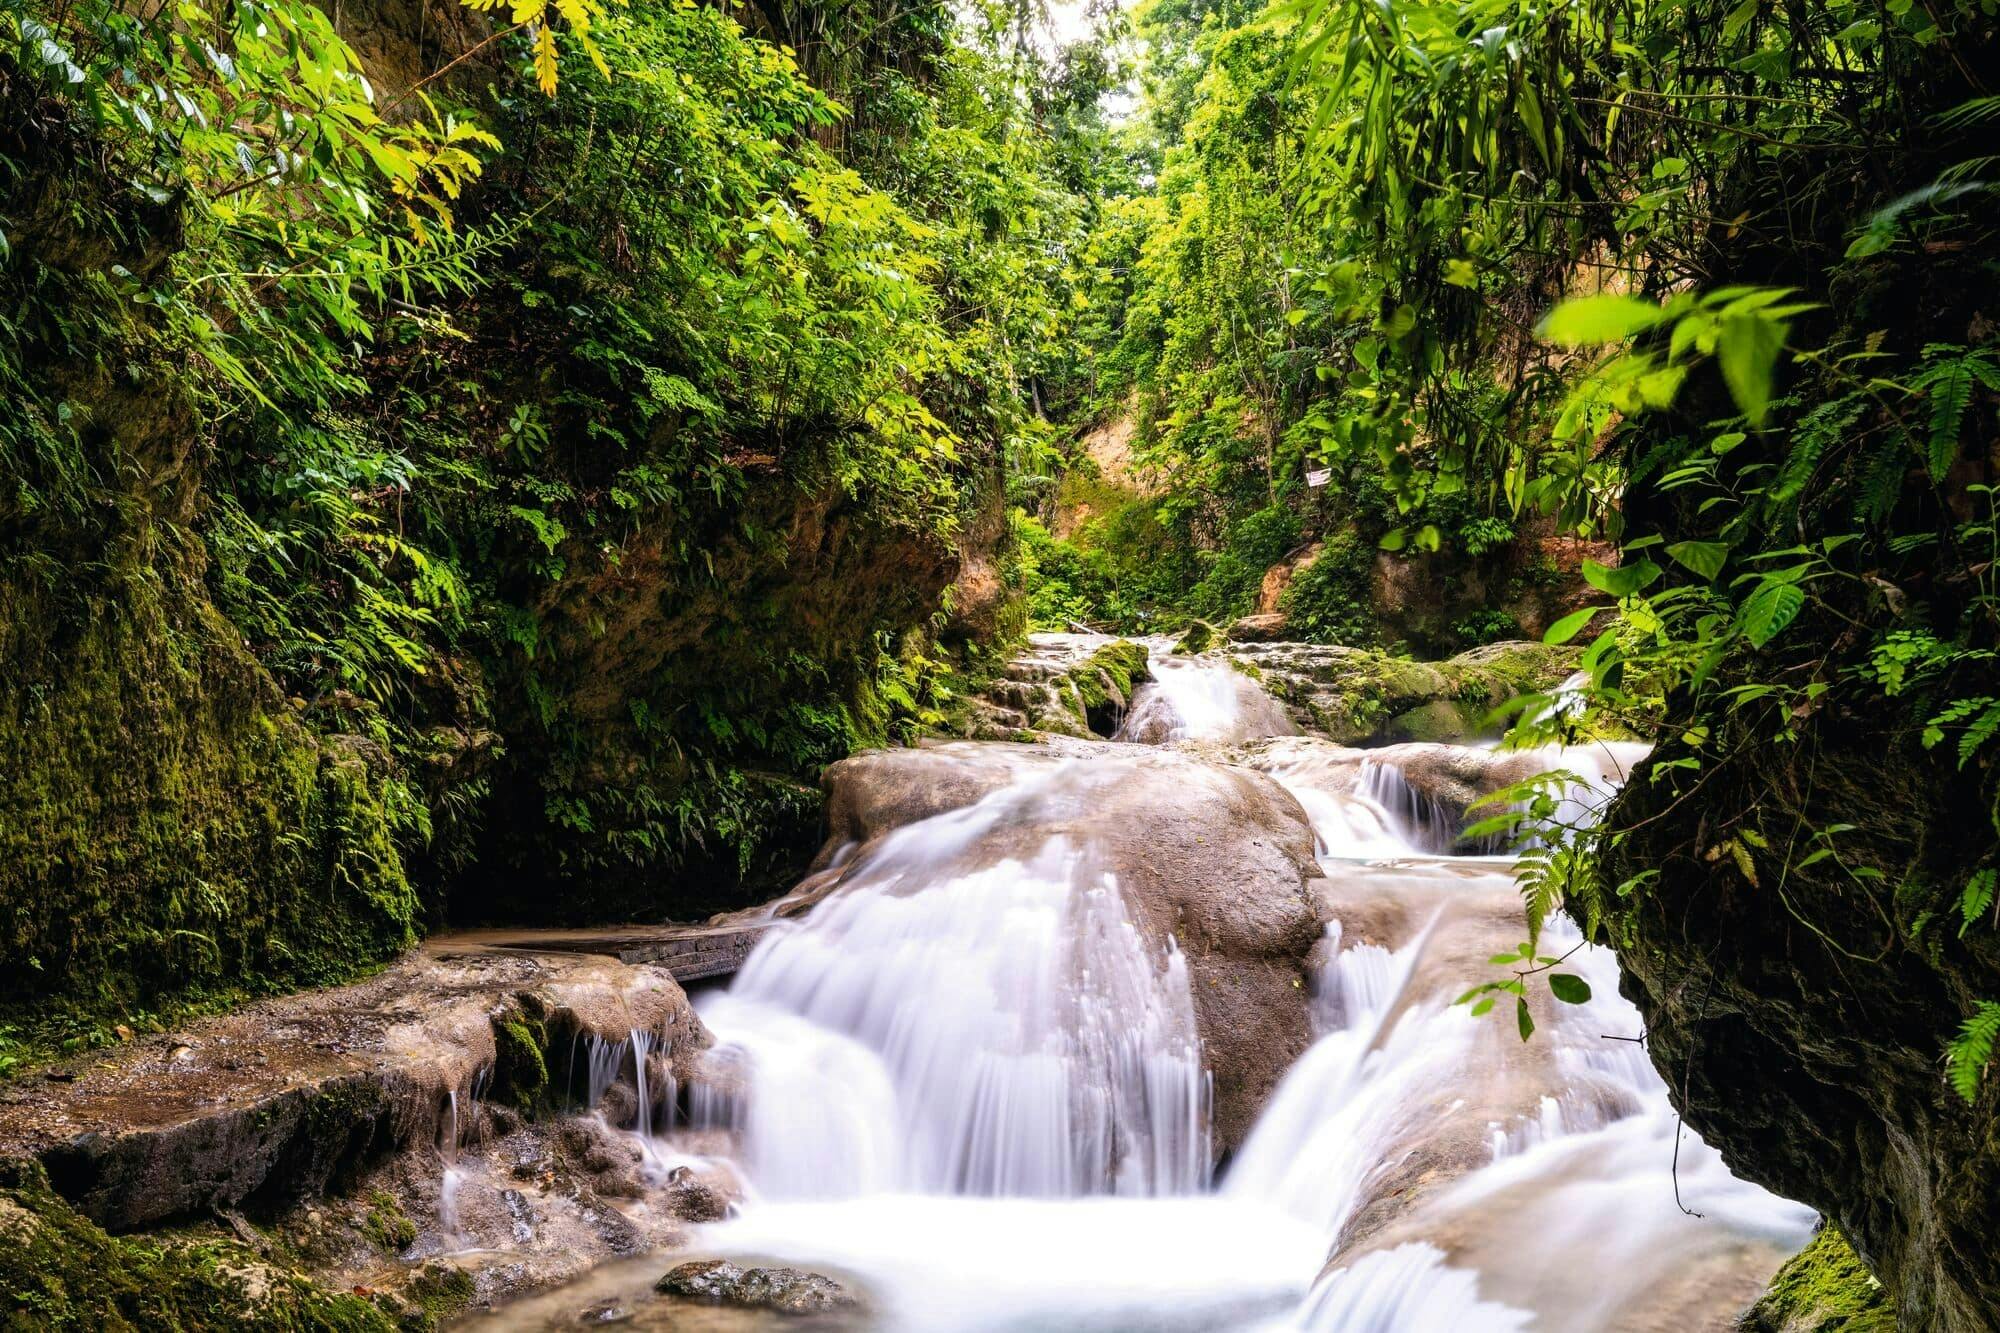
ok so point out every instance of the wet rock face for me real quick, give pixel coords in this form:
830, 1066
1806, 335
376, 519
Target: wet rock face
1809, 1055
784, 1290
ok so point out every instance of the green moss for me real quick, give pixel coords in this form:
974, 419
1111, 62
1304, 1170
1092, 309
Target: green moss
60, 1272
175, 835
1824, 1288
520, 1069
1198, 637
387, 1225
437, 1292
1102, 683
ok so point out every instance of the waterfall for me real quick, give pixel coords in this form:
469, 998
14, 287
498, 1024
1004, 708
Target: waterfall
1405, 1290
967, 1078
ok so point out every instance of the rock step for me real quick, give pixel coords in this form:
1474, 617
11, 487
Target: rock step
686, 952
276, 1102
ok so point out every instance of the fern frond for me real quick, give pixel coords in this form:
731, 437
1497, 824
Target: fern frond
1971, 1051
1977, 897
1881, 484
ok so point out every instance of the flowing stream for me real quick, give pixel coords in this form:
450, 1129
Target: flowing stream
968, 1085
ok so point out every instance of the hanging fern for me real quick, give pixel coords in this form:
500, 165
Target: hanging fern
1971, 1051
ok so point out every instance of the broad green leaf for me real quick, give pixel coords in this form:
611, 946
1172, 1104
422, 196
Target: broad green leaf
1747, 348
1589, 321
1768, 610
1523, 1019
1569, 988
1737, 18
1704, 558
1571, 625
1620, 580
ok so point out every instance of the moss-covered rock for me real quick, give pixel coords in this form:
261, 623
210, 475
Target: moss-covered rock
1823, 1288
1101, 687
1198, 637
520, 1065
60, 1272
1799, 1010
386, 1225
1360, 695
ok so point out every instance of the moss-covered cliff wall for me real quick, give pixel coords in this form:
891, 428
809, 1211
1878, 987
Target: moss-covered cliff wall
168, 824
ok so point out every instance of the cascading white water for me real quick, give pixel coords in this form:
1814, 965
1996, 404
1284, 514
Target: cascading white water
1419, 822
966, 1080
1002, 1032
1404, 1290
1591, 1158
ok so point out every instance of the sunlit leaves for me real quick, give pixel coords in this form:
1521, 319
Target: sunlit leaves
1747, 347
1621, 580
1591, 321
1571, 625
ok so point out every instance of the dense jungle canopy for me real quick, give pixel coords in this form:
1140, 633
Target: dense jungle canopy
479, 462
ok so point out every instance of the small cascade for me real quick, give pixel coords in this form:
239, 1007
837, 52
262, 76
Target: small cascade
1003, 1032
1357, 1098
1418, 820
965, 1077
452, 1132
1409, 1289
1200, 699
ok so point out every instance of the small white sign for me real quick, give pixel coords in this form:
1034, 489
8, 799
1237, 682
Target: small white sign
1318, 476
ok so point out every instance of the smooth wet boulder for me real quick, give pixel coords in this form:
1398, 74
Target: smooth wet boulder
1218, 858
783, 1290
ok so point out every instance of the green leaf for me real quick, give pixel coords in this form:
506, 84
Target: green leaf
1588, 321
1523, 1019
1395, 539
1768, 610
1704, 558
1748, 347
1737, 18
1569, 988
1950, 387
1620, 580
1571, 625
